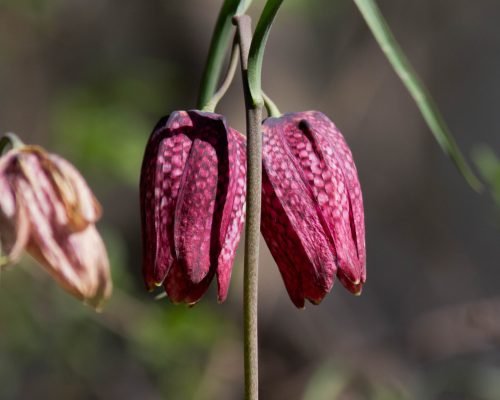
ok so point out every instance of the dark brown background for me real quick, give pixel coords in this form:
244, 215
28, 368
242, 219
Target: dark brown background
89, 79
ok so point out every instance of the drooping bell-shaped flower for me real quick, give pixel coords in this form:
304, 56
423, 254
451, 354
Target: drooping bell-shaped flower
312, 210
192, 204
47, 208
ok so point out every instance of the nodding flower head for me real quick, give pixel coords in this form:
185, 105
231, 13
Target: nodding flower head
193, 182
312, 210
47, 208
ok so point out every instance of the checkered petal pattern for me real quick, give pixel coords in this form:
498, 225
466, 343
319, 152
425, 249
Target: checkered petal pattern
193, 187
312, 212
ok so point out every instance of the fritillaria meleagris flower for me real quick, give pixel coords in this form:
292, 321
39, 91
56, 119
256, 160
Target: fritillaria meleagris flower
192, 204
312, 210
47, 208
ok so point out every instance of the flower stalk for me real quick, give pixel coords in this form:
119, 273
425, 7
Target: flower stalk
228, 79
251, 58
252, 230
218, 45
252, 54
256, 53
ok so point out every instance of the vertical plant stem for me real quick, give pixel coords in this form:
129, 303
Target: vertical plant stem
252, 232
254, 179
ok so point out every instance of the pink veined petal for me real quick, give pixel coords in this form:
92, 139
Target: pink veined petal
80, 202
42, 222
234, 211
49, 203
43, 243
195, 210
300, 208
7, 197
86, 252
14, 225
339, 153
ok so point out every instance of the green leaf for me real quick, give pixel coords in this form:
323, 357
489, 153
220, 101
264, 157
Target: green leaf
377, 24
488, 165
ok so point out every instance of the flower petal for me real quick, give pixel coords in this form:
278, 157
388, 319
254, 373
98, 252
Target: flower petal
180, 287
81, 204
233, 216
299, 216
30, 170
195, 210
165, 156
337, 154
14, 225
77, 260
309, 136
194, 207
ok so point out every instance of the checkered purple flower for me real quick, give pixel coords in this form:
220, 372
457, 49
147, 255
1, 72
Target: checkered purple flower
312, 211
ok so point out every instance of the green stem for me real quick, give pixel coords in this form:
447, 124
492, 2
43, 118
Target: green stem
218, 46
271, 107
233, 64
256, 54
10, 139
253, 211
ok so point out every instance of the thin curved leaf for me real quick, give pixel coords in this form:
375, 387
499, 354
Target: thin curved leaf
377, 24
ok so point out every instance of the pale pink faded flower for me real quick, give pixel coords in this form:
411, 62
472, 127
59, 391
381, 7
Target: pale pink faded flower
47, 208
192, 204
312, 209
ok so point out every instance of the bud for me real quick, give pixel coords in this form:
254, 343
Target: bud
47, 208
312, 210
192, 204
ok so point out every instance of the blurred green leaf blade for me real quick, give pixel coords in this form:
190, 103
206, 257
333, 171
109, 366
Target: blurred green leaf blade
488, 165
387, 42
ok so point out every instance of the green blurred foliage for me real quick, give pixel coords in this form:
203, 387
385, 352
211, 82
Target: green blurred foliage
335, 381
103, 126
489, 166
29, 7
75, 353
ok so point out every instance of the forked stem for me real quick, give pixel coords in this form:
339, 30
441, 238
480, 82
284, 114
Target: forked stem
218, 46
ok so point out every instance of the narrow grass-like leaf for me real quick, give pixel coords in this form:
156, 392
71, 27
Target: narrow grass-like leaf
377, 24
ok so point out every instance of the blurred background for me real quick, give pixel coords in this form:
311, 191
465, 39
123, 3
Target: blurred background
90, 78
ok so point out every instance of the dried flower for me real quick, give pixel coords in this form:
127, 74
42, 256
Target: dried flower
312, 212
192, 204
47, 208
